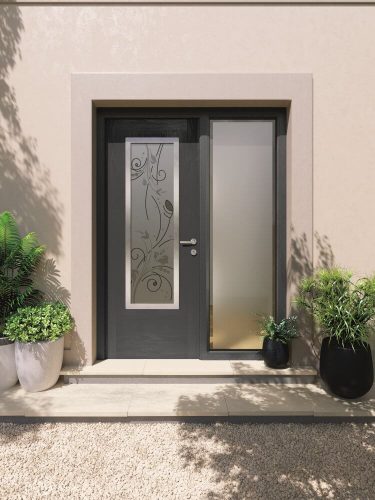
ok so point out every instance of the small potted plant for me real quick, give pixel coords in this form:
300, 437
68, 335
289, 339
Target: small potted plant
345, 312
38, 332
276, 340
19, 258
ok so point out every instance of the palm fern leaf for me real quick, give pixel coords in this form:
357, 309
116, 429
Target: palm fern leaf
19, 259
9, 235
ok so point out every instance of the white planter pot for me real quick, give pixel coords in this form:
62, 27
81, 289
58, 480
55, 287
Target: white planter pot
8, 372
39, 364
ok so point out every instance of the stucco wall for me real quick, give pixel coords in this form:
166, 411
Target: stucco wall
41, 46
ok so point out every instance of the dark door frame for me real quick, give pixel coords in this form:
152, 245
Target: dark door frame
204, 115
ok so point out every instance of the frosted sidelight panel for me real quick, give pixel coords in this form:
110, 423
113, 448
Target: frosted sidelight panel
242, 245
151, 206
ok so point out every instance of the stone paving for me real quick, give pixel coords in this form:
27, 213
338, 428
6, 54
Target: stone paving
182, 400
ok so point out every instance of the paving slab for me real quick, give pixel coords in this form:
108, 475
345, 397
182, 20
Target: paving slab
173, 400
269, 400
328, 405
109, 367
68, 401
193, 367
257, 367
11, 402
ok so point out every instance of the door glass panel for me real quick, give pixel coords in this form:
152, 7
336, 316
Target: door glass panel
151, 218
242, 241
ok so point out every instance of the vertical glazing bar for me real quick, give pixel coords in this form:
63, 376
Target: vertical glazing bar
127, 167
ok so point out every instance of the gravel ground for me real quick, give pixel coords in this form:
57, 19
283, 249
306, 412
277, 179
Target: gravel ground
181, 461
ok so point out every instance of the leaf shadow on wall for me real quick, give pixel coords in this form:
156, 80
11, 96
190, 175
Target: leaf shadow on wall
26, 188
305, 349
25, 184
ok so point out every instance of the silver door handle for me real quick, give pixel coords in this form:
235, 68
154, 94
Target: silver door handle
189, 243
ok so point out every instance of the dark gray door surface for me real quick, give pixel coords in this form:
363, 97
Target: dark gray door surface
152, 203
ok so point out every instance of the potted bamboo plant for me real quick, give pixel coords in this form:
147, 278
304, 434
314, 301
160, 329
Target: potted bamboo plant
19, 257
345, 311
276, 340
38, 333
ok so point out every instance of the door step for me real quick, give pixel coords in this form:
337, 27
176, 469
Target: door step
185, 371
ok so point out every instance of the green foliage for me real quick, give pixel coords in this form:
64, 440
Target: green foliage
345, 310
19, 258
38, 323
284, 331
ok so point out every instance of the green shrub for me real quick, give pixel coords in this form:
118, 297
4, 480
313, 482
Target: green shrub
284, 331
344, 310
19, 258
38, 323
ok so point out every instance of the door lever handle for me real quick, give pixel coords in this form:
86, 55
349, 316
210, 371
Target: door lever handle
189, 243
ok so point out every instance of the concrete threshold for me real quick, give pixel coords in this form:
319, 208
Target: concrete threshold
179, 369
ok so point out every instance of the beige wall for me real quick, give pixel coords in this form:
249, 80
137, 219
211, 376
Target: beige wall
40, 47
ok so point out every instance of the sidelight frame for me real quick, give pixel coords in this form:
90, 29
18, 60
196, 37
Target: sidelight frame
279, 117
204, 115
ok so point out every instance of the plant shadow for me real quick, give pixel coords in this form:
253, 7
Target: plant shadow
26, 189
277, 460
302, 263
25, 184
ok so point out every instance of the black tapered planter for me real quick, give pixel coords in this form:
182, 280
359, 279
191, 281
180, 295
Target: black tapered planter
275, 353
348, 372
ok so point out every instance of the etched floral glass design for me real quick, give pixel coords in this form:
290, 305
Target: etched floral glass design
151, 222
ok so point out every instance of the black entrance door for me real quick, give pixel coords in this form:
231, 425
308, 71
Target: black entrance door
151, 174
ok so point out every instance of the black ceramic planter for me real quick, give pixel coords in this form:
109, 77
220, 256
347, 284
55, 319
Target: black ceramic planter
275, 353
347, 372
